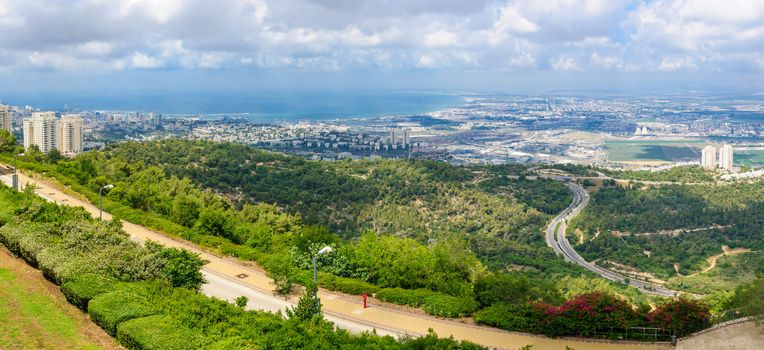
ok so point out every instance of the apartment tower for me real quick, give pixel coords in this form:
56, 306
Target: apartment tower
725, 157
70, 135
708, 159
6, 119
41, 130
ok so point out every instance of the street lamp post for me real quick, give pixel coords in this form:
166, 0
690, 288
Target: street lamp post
15, 175
324, 250
100, 200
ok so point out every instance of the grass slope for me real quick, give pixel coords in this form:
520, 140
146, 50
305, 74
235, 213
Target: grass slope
35, 315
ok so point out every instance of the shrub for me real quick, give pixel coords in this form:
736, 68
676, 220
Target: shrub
434, 303
449, 306
411, 297
517, 317
81, 289
682, 316
111, 309
346, 285
157, 332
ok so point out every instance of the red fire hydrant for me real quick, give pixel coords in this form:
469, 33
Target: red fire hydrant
364, 301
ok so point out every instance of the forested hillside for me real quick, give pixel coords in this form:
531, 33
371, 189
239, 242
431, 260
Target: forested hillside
455, 241
412, 232
671, 229
424, 200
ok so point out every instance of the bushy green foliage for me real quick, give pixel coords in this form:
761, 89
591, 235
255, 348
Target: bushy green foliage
444, 305
513, 287
157, 332
628, 223
518, 317
682, 316
749, 298
694, 173
346, 285
83, 288
309, 305
179, 266
437, 304
111, 309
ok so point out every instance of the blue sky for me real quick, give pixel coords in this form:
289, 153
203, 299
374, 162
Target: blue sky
523, 45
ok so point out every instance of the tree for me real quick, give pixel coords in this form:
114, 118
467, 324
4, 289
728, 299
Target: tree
54, 156
309, 305
281, 270
180, 266
185, 209
749, 299
7, 142
214, 221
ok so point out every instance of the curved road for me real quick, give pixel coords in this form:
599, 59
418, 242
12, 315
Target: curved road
555, 238
228, 278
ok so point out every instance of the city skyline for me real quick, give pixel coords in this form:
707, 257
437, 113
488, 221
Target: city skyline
629, 45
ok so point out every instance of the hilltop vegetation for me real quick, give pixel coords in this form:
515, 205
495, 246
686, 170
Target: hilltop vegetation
656, 227
686, 174
426, 234
147, 296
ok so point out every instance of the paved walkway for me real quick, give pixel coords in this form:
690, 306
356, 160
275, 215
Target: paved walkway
346, 311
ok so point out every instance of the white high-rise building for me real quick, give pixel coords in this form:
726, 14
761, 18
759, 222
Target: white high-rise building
41, 130
402, 136
6, 118
708, 159
70, 135
725, 157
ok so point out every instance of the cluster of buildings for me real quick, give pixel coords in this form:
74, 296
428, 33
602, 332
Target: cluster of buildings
48, 132
724, 161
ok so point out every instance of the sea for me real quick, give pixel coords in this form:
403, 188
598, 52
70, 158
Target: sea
261, 106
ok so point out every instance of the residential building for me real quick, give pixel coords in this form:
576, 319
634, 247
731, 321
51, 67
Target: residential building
725, 157
402, 136
41, 130
70, 135
708, 159
6, 118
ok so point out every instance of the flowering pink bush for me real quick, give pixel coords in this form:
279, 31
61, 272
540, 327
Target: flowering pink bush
682, 316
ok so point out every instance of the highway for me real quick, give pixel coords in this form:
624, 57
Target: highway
557, 240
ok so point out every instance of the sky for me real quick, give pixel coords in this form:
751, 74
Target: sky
453, 45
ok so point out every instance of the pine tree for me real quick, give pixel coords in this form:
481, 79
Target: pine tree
308, 306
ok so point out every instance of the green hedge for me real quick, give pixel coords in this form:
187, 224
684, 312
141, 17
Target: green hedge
518, 317
111, 309
434, 303
157, 333
444, 305
81, 289
346, 285
410, 297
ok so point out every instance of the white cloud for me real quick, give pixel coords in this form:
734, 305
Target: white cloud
440, 38
613, 35
141, 60
427, 61
564, 63
212, 60
676, 63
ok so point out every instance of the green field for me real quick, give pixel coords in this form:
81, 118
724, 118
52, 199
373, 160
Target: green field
752, 158
31, 317
653, 150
